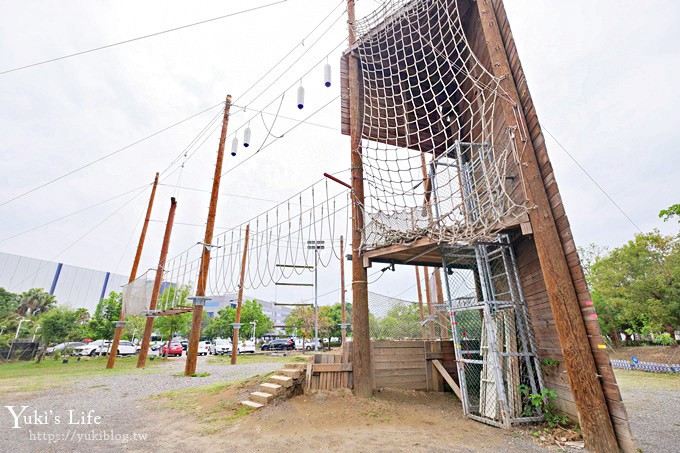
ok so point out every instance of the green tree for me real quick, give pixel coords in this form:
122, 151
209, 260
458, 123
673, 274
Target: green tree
9, 303
251, 310
636, 287
672, 211
134, 327
102, 325
35, 301
59, 325
400, 321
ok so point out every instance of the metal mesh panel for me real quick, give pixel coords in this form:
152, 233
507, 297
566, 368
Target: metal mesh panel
492, 336
393, 319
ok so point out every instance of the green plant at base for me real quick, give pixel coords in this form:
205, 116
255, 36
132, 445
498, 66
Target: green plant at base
664, 339
550, 362
536, 403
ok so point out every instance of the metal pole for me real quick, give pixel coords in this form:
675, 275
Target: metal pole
316, 299
34, 334
16, 335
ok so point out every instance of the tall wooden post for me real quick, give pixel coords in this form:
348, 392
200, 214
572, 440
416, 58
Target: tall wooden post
133, 274
594, 418
195, 334
239, 301
361, 339
428, 299
148, 328
420, 302
343, 326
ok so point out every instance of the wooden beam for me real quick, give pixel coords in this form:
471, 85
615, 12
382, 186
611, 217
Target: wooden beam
242, 279
148, 328
331, 367
594, 417
197, 318
133, 274
447, 377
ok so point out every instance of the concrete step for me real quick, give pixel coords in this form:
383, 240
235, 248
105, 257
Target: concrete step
252, 404
283, 381
291, 372
261, 397
274, 389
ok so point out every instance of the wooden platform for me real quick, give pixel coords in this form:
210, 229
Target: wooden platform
175, 311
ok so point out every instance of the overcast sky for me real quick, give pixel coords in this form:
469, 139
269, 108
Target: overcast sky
602, 76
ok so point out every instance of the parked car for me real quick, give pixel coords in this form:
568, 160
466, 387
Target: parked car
220, 347
279, 345
93, 348
309, 345
247, 346
203, 347
174, 350
64, 348
126, 348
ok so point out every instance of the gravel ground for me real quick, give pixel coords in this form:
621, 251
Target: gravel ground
119, 402
654, 416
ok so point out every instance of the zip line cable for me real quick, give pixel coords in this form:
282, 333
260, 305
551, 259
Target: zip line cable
592, 179
82, 237
72, 214
138, 38
119, 150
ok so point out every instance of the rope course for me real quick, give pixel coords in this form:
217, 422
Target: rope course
438, 158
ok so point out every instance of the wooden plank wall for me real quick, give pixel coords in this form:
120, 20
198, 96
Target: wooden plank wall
543, 325
399, 364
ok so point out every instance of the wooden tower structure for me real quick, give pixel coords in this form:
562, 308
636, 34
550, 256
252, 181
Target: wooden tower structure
448, 160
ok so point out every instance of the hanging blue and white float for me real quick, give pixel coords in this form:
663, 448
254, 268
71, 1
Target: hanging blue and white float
246, 137
301, 97
234, 146
327, 75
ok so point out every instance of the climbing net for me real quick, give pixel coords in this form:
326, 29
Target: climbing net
438, 154
279, 240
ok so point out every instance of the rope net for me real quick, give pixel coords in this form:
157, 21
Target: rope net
439, 159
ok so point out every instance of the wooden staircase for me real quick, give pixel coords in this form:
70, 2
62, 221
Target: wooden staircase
281, 384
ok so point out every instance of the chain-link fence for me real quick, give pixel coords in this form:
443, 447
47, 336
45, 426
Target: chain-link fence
393, 319
492, 335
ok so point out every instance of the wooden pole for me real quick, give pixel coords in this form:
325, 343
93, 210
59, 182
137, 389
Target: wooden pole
148, 328
197, 318
594, 418
420, 301
361, 340
342, 293
237, 320
133, 274
428, 299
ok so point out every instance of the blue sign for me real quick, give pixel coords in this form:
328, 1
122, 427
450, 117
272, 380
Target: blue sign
635, 360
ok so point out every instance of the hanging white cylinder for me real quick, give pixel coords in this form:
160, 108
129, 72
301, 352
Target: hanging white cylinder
327, 75
301, 97
246, 137
234, 146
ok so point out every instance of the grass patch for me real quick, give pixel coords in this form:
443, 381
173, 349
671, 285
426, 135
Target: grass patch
31, 376
631, 379
215, 404
203, 374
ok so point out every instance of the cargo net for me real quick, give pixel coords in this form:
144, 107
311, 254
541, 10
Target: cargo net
179, 277
492, 335
439, 158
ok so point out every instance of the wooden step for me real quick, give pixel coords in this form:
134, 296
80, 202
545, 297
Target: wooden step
274, 389
283, 381
252, 404
291, 372
297, 365
261, 397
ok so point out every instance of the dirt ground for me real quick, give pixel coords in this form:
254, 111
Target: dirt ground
658, 354
336, 421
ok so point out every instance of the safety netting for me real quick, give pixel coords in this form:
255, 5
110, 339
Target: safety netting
438, 155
